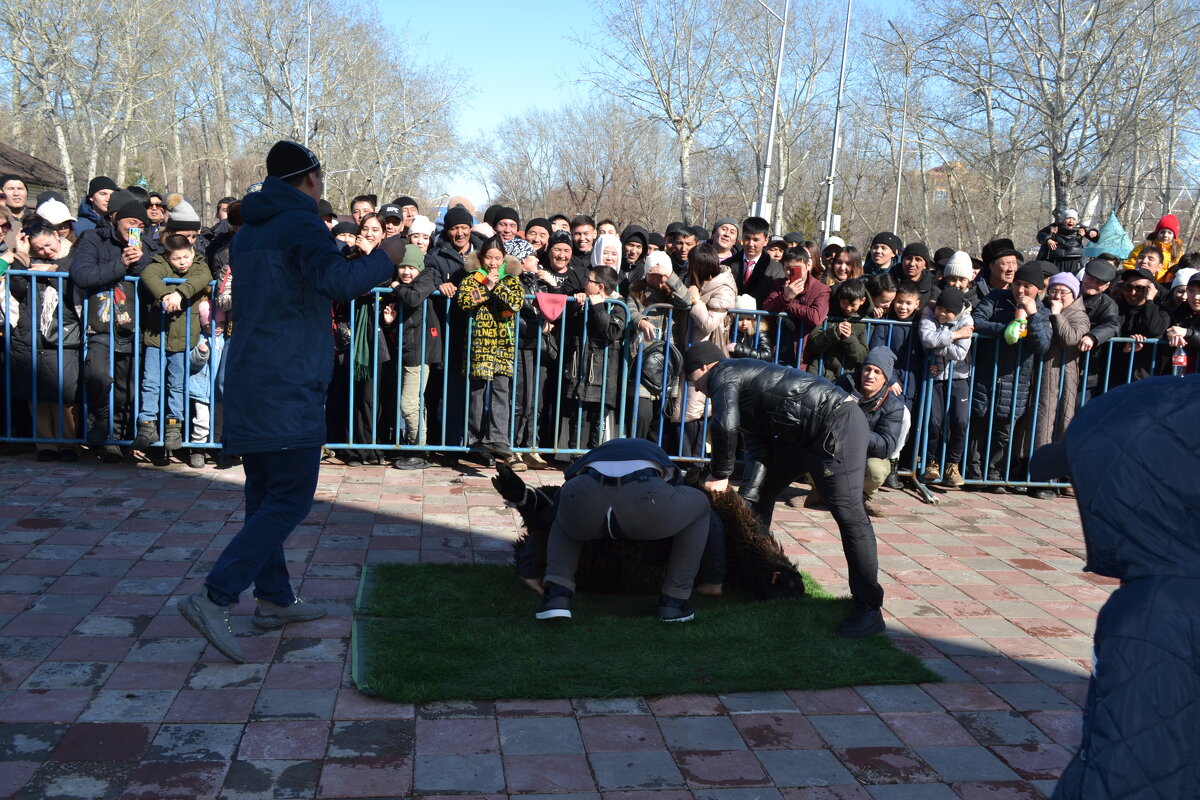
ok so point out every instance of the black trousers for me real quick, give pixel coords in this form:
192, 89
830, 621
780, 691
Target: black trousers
120, 377
530, 380
993, 447
837, 465
959, 414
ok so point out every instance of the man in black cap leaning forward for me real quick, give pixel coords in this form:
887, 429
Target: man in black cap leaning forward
795, 423
290, 269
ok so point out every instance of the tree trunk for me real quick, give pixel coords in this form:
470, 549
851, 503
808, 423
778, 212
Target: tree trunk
177, 152
685, 176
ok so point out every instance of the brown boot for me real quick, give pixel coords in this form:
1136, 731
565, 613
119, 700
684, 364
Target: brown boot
872, 509
953, 476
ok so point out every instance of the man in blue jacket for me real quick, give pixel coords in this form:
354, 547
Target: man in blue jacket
1139, 721
289, 269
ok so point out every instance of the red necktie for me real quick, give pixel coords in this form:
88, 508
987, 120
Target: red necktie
749, 270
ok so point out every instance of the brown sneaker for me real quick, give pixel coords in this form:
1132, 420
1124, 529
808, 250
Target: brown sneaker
872, 509
535, 461
953, 476
933, 473
513, 461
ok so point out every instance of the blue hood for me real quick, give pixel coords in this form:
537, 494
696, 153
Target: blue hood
87, 212
1134, 454
275, 198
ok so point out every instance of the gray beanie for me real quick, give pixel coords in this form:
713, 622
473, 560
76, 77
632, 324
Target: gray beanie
183, 216
723, 221
883, 358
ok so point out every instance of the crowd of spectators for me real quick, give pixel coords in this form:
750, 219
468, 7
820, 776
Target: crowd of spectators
507, 340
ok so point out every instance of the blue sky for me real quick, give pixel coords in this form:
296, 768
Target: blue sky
517, 55
520, 55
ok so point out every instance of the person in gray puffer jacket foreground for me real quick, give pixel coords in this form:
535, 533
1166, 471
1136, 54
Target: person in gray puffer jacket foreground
1140, 736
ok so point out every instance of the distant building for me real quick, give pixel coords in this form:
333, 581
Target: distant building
39, 175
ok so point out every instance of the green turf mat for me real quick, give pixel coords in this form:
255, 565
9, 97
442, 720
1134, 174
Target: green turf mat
467, 632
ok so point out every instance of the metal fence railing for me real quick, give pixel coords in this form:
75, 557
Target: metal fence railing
594, 373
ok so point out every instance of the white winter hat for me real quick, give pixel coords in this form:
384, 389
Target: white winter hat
55, 212
421, 224
659, 263
1070, 213
960, 266
1182, 277
746, 302
837, 240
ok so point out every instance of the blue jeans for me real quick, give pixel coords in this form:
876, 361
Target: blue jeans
279, 495
152, 372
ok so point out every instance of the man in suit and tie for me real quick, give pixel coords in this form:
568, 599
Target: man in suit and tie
757, 271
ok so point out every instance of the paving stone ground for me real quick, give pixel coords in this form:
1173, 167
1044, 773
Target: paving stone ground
106, 692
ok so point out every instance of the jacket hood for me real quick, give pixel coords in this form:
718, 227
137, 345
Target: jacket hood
275, 198
632, 232
1134, 455
87, 212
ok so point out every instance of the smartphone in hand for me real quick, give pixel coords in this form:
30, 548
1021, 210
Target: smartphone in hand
134, 237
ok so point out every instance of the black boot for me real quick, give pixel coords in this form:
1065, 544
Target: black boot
892, 481
755, 472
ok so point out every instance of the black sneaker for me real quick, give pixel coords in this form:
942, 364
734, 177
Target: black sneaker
863, 621
410, 462
147, 434
173, 435
111, 454
672, 609
555, 603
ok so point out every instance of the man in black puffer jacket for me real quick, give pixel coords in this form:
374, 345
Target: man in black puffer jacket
1139, 722
795, 423
104, 262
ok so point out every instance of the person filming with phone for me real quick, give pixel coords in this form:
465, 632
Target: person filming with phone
805, 299
105, 259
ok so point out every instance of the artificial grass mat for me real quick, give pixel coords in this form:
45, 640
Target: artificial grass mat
467, 632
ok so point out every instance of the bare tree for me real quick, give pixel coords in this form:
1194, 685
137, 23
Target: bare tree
664, 58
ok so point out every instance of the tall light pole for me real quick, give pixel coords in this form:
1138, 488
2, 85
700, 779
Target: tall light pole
766, 175
908, 54
837, 129
307, 67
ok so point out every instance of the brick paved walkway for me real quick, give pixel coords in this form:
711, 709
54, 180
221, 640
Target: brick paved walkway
105, 692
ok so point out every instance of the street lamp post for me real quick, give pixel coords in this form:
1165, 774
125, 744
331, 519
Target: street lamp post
307, 67
766, 175
837, 129
908, 54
